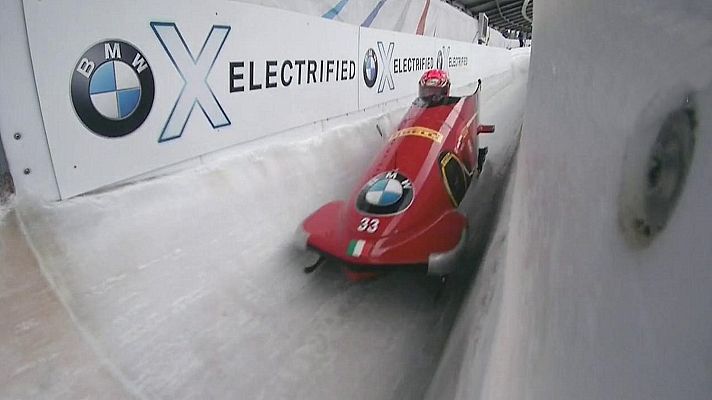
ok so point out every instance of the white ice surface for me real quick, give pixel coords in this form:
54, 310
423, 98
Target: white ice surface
577, 313
6, 206
186, 286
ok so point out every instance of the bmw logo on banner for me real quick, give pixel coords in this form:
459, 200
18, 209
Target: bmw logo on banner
370, 68
112, 88
386, 193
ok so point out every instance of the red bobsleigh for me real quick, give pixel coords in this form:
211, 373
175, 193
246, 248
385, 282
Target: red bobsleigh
404, 211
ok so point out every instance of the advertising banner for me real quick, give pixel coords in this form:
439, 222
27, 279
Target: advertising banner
126, 87
456, 58
487, 61
391, 64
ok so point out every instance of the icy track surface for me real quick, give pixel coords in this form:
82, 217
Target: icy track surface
187, 287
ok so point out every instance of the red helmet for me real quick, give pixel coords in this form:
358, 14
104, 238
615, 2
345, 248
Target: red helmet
434, 82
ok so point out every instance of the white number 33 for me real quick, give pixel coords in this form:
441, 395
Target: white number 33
369, 225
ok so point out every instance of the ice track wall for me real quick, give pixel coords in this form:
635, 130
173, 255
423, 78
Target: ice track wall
580, 313
425, 17
168, 82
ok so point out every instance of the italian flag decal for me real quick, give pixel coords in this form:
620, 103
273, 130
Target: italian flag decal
355, 248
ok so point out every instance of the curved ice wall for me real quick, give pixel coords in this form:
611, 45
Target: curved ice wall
426, 17
587, 309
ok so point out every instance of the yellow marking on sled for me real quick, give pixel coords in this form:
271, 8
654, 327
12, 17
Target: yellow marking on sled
435, 136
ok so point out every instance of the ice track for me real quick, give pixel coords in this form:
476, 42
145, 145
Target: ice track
186, 286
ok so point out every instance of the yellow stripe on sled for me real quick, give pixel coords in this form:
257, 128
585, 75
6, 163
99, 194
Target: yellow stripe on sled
435, 136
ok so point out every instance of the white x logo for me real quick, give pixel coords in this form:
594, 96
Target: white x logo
194, 72
443, 58
386, 57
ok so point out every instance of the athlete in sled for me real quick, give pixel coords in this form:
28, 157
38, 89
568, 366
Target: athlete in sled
404, 211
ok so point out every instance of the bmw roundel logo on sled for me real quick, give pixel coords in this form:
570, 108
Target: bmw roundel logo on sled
112, 88
386, 193
370, 68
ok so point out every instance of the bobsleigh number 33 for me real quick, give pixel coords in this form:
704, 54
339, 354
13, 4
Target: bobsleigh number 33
404, 212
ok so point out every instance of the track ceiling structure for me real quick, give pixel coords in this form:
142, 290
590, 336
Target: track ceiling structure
503, 14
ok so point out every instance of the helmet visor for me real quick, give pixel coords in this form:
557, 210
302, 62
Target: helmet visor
427, 91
